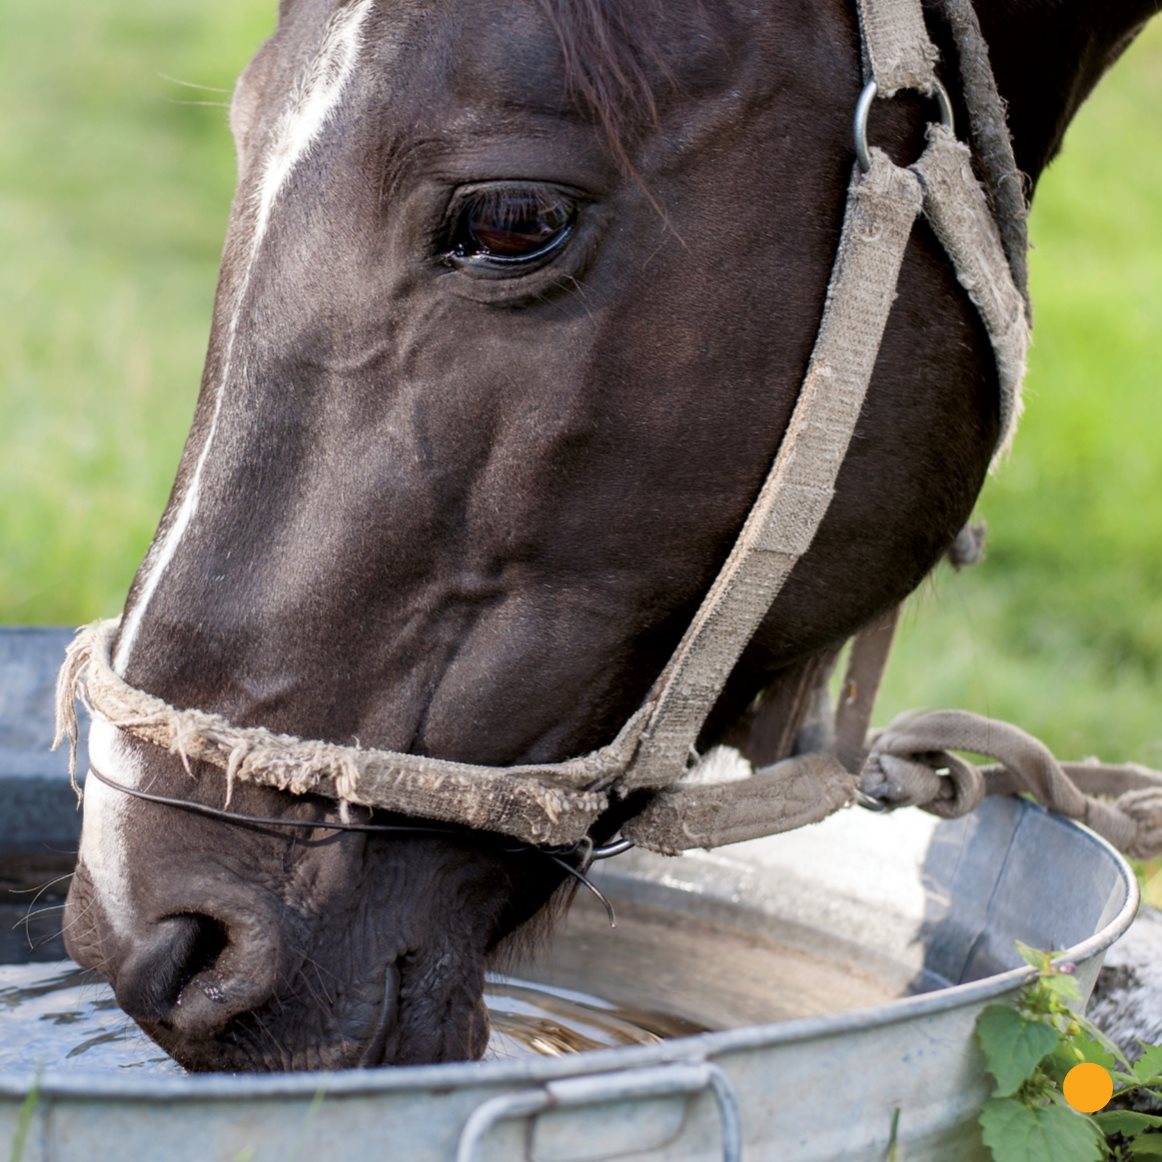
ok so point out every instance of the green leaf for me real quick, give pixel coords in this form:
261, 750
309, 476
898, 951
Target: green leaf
1073, 1051
1126, 1122
1016, 1133
1149, 1065
1094, 1050
1146, 1146
1091, 1031
1060, 1062
1062, 986
1013, 1046
1034, 957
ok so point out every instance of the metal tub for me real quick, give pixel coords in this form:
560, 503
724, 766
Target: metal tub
920, 916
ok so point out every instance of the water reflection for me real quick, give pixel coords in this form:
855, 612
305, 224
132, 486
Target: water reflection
53, 1017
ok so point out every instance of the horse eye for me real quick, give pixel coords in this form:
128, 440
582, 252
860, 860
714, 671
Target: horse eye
509, 226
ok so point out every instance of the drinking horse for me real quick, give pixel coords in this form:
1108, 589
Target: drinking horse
515, 307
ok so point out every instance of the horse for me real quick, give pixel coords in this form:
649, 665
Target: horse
515, 301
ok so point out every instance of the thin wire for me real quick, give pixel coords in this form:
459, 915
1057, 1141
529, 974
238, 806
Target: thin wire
259, 821
579, 875
585, 845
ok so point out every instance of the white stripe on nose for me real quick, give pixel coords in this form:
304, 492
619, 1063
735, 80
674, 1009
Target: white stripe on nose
312, 103
103, 848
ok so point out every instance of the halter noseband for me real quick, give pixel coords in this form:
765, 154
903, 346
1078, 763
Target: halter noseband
589, 852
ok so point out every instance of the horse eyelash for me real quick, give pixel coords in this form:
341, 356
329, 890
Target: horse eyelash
498, 200
508, 209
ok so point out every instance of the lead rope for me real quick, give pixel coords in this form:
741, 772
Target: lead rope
911, 764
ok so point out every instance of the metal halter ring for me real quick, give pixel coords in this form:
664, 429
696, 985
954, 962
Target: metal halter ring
871, 803
863, 108
609, 850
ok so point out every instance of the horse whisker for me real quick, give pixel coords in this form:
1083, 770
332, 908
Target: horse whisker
192, 84
42, 888
31, 915
76, 920
208, 104
323, 1001
286, 1057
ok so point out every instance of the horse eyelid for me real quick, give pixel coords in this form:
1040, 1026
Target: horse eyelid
501, 200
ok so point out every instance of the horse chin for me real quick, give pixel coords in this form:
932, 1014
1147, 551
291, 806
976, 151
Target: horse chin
258, 1042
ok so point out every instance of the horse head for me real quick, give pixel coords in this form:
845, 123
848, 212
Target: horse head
515, 303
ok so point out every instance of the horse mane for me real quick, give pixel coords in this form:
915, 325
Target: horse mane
613, 63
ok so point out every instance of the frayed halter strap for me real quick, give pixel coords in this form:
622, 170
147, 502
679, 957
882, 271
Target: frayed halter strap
558, 803
551, 804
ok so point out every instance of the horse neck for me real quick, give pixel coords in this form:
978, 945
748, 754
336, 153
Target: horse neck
1047, 56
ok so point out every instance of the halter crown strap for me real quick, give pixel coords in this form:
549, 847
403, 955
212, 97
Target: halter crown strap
897, 53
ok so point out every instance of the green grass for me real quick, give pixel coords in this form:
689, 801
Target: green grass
114, 193
24, 1122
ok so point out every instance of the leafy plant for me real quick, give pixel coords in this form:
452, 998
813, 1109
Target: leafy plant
1029, 1048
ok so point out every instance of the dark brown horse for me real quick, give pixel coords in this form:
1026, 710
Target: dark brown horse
515, 303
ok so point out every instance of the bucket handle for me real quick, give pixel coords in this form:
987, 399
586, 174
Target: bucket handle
673, 1080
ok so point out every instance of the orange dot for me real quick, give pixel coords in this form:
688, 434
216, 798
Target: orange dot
1088, 1087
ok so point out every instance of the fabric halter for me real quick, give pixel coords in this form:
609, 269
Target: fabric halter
558, 803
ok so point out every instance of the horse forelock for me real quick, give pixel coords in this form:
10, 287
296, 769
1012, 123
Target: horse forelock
612, 62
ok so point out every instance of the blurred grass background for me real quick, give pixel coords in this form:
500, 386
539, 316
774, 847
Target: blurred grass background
115, 179
1060, 629
115, 182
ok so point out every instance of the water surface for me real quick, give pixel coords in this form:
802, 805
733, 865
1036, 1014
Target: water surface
53, 1017
656, 976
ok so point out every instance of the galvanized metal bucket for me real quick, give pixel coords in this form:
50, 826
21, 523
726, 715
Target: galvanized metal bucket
933, 906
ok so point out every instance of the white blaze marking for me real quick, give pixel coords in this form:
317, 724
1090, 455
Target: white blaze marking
311, 105
103, 832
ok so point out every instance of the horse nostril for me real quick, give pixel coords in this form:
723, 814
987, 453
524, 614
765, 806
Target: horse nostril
191, 974
209, 940
150, 983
